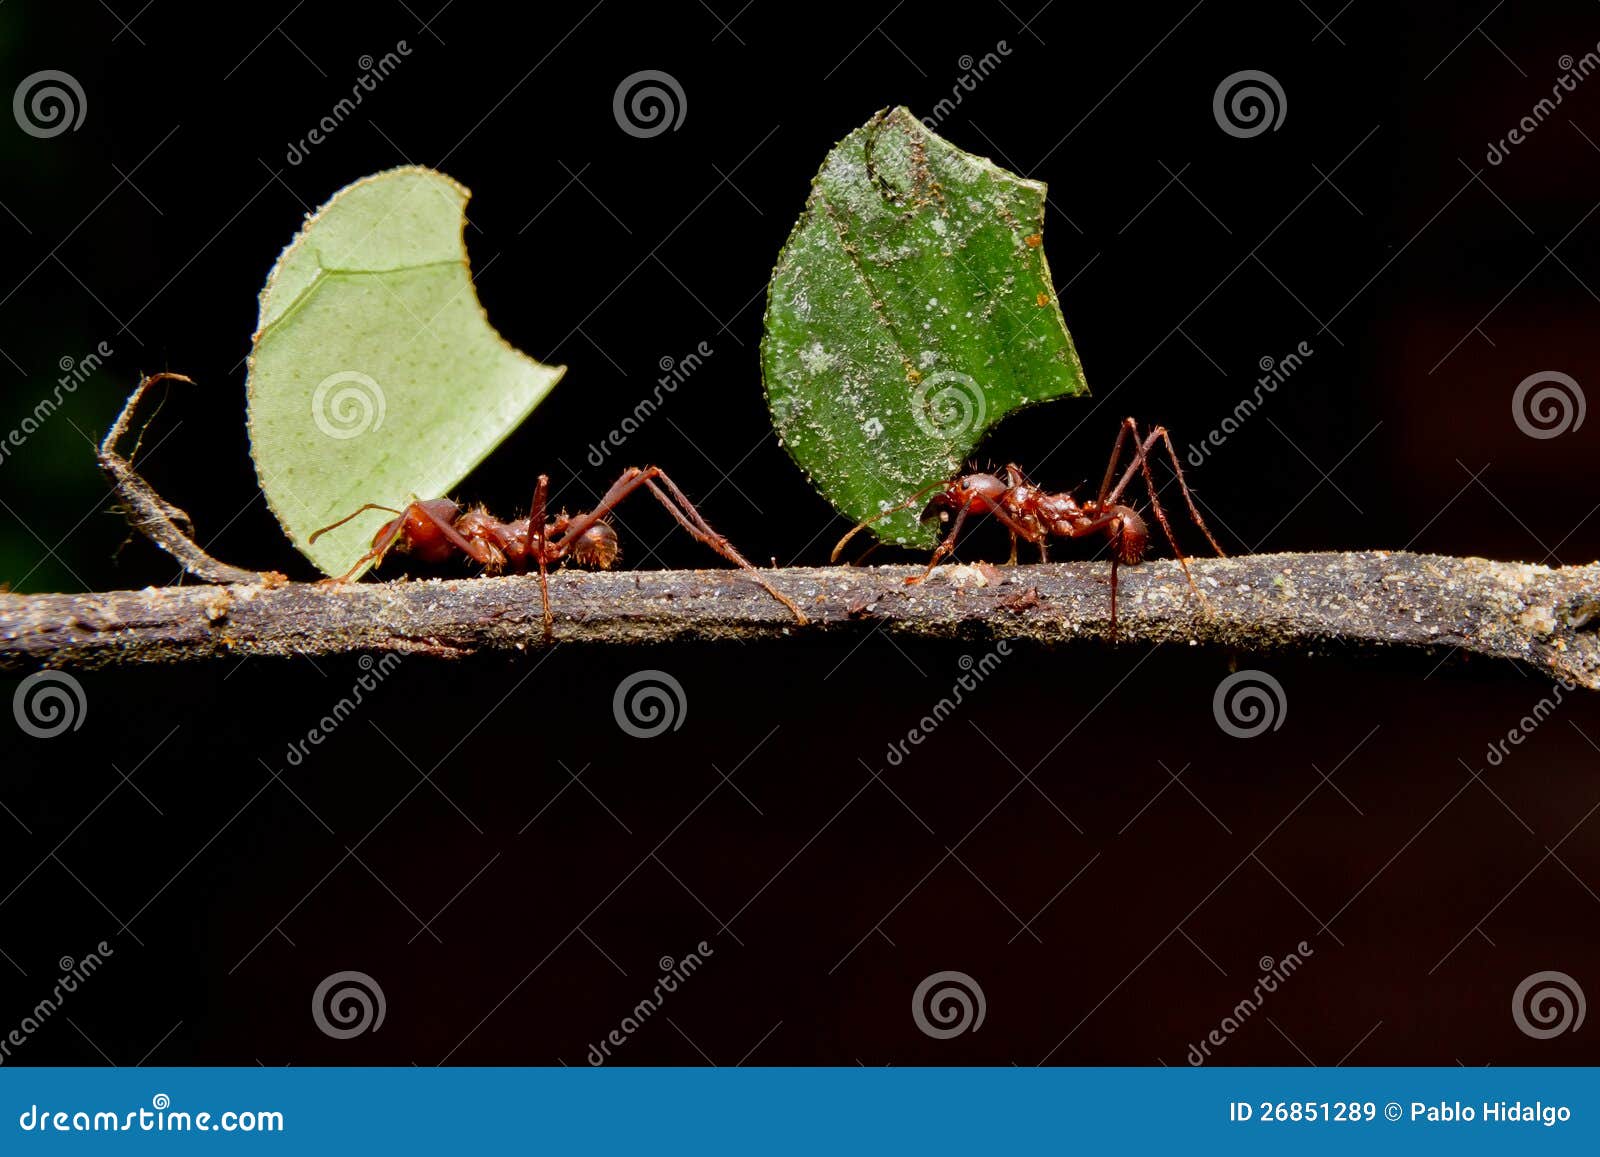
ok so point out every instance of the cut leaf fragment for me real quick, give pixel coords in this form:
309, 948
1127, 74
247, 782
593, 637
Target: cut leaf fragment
375, 375
910, 310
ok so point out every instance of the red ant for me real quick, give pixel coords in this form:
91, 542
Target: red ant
1037, 515
434, 529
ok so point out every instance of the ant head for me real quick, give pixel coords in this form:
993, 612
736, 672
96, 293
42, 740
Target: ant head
980, 492
597, 547
1129, 535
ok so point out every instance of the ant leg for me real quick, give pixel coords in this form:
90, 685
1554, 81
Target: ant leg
679, 506
537, 544
1014, 479
681, 509
1113, 596
374, 556
631, 479
941, 551
1106, 493
1091, 527
1194, 511
1129, 426
1141, 463
1141, 460
1160, 434
1017, 530
860, 526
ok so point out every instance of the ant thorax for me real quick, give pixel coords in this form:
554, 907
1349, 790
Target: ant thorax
1057, 512
493, 539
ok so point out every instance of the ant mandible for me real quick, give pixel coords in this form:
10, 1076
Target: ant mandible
434, 529
1036, 515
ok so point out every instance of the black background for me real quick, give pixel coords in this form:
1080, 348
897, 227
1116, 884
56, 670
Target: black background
1369, 225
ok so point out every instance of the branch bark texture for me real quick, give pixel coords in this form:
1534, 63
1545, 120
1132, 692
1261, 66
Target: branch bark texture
1546, 617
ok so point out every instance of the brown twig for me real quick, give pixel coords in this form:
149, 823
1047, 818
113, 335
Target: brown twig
153, 516
1362, 601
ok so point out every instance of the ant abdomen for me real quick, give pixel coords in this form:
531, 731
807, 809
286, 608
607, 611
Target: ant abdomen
1132, 537
597, 547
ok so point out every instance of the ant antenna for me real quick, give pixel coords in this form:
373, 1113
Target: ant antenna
348, 517
860, 526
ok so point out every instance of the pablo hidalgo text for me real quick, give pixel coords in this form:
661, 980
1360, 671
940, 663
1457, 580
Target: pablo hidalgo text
1493, 1112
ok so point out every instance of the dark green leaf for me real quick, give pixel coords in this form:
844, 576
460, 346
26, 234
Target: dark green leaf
910, 310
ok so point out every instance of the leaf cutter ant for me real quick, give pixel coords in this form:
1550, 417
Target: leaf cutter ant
1037, 515
435, 529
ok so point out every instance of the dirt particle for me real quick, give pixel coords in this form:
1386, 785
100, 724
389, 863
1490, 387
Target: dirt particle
217, 604
1021, 601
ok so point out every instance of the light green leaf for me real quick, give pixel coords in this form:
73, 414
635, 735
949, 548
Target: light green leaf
375, 375
910, 310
